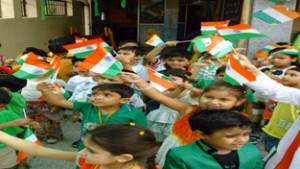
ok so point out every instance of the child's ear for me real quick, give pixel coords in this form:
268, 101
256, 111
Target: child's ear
240, 102
124, 158
199, 134
124, 100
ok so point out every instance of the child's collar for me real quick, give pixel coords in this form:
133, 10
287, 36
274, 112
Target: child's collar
206, 148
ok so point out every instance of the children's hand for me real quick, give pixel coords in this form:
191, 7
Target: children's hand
201, 64
245, 62
34, 125
171, 43
74, 117
48, 87
130, 77
177, 81
22, 122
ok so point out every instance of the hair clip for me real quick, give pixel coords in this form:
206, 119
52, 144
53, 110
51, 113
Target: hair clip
141, 133
131, 124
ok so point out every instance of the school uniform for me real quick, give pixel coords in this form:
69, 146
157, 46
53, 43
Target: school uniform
199, 155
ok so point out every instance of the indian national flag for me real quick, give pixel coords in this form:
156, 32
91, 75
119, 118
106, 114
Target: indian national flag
28, 136
55, 65
83, 49
106, 46
101, 61
211, 27
33, 68
78, 39
239, 31
159, 81
287, 152
155, 41
31, 55
276, 14
235, 73
217, 46
270, 47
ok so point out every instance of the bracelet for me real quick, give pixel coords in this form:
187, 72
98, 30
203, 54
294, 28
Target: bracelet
145, 88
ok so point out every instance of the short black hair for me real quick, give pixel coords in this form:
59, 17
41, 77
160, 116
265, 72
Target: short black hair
221, 69
36, 51
138, 51
4, 97
123, 90
173, 51
209, 121
130, 41
74, 60
13, 83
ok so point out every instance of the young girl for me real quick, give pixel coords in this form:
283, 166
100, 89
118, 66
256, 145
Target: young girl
220, 95
111, 146
162, 119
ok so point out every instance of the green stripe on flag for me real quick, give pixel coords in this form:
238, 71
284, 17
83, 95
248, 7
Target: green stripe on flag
242, 35
230, 80
266, 18
165, 78
83, 54
114, 69
208, 32
25, 75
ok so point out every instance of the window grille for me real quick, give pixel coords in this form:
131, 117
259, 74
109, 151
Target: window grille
55, 8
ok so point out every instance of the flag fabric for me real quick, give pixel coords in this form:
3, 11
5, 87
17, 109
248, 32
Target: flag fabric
217, 46
55, 65
212, 27
239, 31
101, 61
83, 49
28, 136
276, 14
78, 39
289, 51
159, 81
33, 68
31, 55
286, 153
270, 47
106, 46
235, 73
197, 42
155, 41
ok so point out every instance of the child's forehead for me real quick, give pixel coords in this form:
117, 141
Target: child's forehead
96, 91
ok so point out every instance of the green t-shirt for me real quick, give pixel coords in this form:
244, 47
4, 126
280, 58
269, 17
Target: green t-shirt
7, 116
125, 114
202, 83
17, 103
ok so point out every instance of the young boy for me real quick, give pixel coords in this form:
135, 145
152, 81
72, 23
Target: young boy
223, 136
129, 57
107, 105
7, 154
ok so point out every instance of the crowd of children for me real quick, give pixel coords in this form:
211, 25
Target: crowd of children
126, 122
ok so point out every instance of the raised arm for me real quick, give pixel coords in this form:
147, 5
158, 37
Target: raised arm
182, 107
34, 149
269, 87
151, 56
53, 96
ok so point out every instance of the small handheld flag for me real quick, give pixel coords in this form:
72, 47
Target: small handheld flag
159, 81
155, 41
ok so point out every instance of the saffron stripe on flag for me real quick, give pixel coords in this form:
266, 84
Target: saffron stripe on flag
159, 81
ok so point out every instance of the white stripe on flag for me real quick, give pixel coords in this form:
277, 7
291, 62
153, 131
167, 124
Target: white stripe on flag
296, 160
31, 138
225, 32
104, 65
276, 15
208, 28
221, 46
235, 75
158, 86
83, 49
31, 69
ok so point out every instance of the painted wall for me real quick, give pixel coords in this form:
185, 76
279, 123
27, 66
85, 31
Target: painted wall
19, 33
276, 33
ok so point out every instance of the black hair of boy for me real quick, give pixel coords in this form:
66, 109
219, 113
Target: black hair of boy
123, 90
221, 70
184, 74
209, 121
11, 82
280, 49
36, 51
74, 60
173, 51
4, 97
57, 47
130, 41
138, 51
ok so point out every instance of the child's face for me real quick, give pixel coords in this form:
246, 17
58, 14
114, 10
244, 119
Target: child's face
227, 140
95, 76
93, 154
220, 76
78, 70
219, 99
105, 98
279, 60
177, 62
291, 78
128, 54
259, 62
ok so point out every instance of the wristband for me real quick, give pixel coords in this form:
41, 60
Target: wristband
145, 88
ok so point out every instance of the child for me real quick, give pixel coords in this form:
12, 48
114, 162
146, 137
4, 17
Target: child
173, 57
223, 135
7, 154
162, 119
132, 54
107, 105
109, 146
80, 77
284, 114
219, 95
